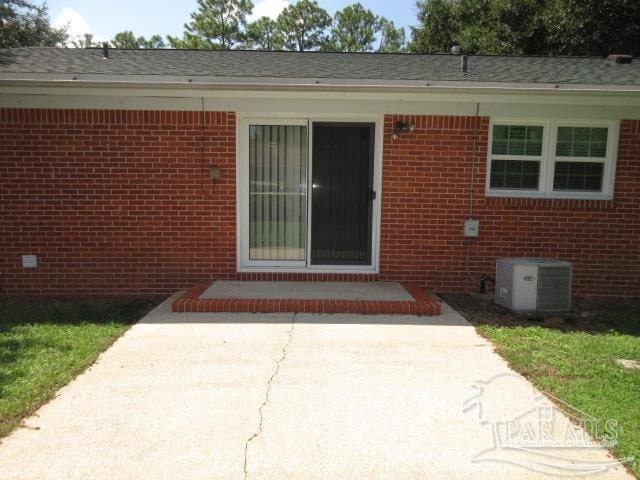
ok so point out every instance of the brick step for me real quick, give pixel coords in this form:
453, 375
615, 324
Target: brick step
191, 302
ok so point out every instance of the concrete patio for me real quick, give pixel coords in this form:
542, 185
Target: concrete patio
288, 396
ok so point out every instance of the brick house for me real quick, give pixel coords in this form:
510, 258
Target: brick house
146, 171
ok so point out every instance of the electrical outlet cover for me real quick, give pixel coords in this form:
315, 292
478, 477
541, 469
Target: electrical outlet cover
471, 227
29, 261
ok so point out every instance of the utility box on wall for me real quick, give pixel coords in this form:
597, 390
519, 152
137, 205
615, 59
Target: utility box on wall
533, 284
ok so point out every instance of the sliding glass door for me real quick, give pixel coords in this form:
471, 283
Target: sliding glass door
278, 160
307, 198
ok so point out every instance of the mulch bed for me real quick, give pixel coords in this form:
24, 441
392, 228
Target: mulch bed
587, 314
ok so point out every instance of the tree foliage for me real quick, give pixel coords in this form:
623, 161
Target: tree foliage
217, 24
354, 29
127, 39
10, 9
304, 25
23, 24
86, 41
593, 27
392, 39
301, 26
568, 27
264, 34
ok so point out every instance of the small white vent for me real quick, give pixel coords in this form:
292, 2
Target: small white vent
533, 284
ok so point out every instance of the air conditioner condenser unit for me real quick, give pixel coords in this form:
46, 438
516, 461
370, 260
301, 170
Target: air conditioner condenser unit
533, 284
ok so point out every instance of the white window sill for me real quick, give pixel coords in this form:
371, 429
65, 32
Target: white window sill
550, 195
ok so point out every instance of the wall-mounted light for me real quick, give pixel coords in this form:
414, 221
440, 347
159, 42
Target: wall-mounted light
401, 126
214, 173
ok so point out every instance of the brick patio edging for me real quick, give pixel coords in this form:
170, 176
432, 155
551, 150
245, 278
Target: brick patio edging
191, 302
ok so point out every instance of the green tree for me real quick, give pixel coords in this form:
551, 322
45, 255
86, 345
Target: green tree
438, 29
217, 24
304, 25
85, 42
480, 26
154, 41
593, 27
392, 39
10, 9
189, 40
501, 26
127, 39
354, 29
264, 34
528, 27
23, 24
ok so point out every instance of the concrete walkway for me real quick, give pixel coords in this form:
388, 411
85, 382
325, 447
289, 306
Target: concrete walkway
219, 396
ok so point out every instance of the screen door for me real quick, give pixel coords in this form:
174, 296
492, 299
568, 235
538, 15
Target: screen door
343, 193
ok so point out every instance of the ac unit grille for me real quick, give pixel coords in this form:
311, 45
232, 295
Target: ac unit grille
554, 288
525, 284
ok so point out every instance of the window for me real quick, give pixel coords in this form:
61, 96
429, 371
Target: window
551, 159
516, 153
580, 158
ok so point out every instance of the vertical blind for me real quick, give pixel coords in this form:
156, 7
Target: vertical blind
277, 192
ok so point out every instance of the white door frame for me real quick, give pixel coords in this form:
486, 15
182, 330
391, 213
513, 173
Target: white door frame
243, 121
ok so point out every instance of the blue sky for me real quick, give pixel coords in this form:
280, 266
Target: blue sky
146, 17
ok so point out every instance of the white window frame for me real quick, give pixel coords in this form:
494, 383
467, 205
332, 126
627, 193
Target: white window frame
549, 159
244, 264
506, 192
243, 246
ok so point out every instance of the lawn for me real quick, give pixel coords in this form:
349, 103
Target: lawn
580, 369
44, 343
577, 361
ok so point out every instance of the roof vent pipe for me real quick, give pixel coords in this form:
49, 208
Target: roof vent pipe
105, 50
464, 65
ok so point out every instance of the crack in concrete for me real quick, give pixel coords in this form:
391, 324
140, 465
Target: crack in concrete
257, 433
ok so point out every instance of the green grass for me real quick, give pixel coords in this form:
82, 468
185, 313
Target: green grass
44, 343
580, 369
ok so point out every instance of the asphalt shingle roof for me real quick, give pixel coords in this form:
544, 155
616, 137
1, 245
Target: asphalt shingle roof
314, 65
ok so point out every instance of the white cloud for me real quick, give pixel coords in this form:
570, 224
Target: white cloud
76, 25
268, 8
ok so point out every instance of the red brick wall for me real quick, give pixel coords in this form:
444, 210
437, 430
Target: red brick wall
426, 198
121, 202
115, 201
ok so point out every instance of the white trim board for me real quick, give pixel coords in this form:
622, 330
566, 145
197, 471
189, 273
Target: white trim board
288, 83
553, 106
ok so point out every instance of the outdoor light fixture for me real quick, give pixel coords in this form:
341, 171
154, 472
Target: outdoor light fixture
401, 126
214, 173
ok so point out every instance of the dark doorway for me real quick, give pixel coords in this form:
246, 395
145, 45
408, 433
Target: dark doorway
343, 194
